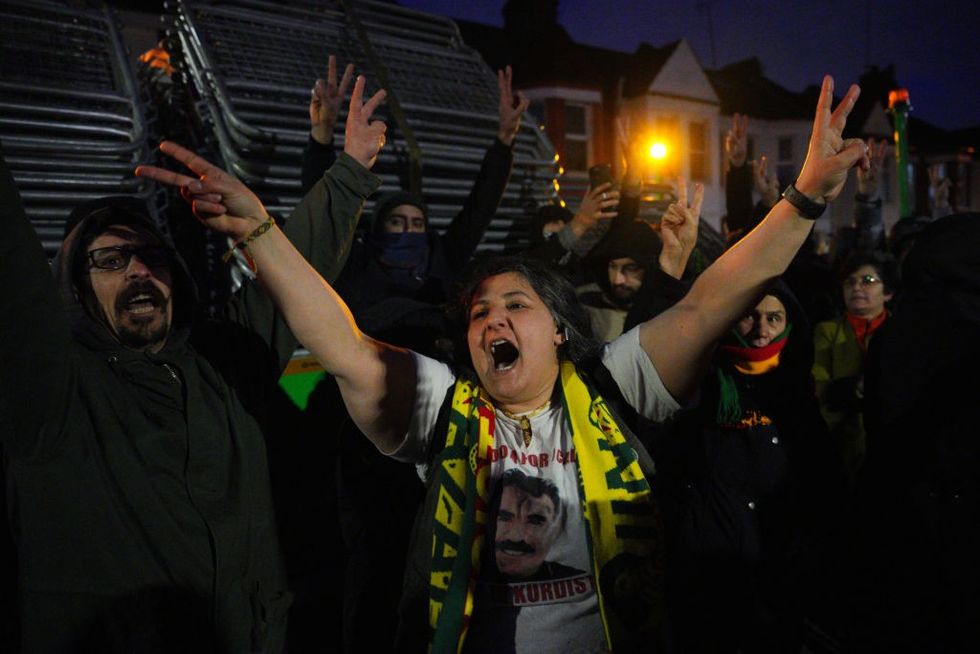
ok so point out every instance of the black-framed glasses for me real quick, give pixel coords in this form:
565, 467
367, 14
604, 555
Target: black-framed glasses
863, 280
117, 257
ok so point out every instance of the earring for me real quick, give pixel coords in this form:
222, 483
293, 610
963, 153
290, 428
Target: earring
565, 334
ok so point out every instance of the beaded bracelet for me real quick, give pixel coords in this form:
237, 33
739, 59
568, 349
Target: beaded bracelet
243, 244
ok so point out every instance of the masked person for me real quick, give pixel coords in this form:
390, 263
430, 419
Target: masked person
401, 270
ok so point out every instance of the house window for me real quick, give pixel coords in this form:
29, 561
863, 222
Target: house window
785, 166
576, 137
697, 146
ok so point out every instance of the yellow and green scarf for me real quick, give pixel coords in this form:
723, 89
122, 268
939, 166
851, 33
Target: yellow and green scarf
623, 523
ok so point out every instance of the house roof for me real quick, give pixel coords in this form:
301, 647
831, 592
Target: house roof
644, 65
742, 88
548, 56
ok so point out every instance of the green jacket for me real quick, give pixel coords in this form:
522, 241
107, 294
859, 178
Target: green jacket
837, 366
138, 486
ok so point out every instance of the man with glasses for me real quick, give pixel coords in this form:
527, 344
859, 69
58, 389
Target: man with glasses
841, 349
133, 435
127, 277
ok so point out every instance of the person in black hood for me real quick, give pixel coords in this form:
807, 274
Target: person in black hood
133, 436
632, 256
123, 274
750, 489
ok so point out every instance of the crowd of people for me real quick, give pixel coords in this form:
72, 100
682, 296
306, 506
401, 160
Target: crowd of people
597, 444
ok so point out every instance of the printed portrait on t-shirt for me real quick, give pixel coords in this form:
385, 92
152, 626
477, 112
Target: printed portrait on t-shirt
528, 515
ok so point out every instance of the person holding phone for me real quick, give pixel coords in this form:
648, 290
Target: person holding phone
563, 239
632, 254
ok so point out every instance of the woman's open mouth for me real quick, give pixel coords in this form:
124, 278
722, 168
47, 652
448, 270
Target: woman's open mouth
504, 354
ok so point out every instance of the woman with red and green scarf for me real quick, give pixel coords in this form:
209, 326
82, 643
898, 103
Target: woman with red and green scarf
748, 487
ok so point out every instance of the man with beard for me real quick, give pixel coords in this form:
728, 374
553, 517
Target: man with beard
632, 254
132, 436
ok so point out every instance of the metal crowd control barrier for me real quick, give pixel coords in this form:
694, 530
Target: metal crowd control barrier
252, 63
71, 123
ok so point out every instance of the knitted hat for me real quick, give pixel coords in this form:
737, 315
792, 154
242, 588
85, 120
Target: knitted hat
387, 202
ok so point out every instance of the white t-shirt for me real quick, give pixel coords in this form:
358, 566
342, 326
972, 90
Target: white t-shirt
536, 590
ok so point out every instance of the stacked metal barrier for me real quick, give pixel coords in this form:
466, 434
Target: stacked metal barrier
71, 122
252, 65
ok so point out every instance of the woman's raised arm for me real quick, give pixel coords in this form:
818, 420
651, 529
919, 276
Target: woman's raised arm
377, 380
680, 340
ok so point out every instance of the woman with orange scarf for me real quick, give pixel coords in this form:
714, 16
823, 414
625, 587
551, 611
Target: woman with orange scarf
748, 487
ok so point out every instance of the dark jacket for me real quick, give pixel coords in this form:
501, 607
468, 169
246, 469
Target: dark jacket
748, 506
562, 251
365, 282
918, 497
138, 486
741, 215
317, 158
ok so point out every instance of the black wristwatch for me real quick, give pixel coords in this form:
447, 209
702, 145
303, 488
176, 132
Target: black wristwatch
808, 208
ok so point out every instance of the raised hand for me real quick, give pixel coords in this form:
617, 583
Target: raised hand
512, 106
679, 229
325, 99
363, 137
767, 185
218, 199
737, 141
868, 179
598, 208
829, 156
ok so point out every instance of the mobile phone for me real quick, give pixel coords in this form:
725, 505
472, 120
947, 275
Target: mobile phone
599, 174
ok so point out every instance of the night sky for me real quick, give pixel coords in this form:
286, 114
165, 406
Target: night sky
935, 47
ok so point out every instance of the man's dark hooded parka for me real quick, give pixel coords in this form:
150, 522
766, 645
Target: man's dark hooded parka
137, 483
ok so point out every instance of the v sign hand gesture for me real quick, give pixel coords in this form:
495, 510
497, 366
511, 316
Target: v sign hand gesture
512, 106
679, 229
363, 137
829, 156
220, 201
325, 99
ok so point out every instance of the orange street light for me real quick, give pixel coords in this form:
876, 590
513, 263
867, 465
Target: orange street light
658, 150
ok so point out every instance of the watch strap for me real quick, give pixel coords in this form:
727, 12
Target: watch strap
808, 208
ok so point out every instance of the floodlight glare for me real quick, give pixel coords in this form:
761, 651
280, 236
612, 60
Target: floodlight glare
658, 151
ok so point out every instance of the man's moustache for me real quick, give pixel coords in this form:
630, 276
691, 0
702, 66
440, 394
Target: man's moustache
139, 288
512, 545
